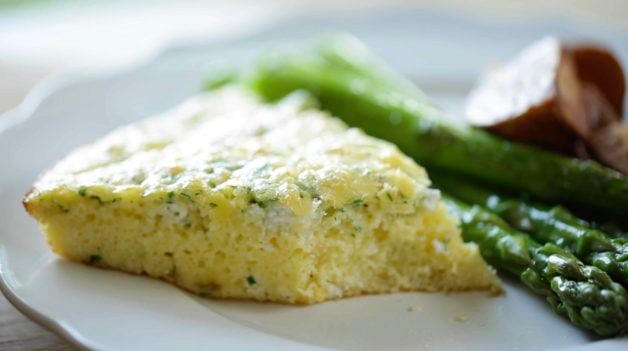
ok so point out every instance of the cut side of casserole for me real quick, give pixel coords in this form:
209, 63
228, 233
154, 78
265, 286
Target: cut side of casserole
231, 198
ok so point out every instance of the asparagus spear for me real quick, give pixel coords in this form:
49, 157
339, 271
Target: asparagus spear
548, 224
584, 294
365, 95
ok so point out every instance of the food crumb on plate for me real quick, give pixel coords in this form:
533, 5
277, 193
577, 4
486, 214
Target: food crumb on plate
414, 308
461, 318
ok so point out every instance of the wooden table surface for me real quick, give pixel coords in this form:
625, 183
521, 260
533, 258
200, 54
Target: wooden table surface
18, 333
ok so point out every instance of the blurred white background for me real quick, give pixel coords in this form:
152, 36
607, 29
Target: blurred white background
40, 37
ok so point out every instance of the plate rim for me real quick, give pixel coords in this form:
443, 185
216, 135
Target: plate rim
47, 322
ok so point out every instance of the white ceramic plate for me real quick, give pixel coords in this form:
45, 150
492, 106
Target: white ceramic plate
105, 310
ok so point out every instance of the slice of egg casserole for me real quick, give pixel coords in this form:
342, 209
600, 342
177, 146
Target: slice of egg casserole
231, 198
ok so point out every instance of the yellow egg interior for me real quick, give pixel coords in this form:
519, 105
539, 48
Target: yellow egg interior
231, 198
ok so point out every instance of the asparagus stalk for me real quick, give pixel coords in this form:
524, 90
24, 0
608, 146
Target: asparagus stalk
584, 294
362, 93
549, 224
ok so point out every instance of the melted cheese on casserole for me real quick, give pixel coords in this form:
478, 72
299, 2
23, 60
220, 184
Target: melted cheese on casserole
227, 197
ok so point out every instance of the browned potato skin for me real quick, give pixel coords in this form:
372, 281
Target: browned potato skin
539, 126
560, 121
581, 116
608, 141
599, 66
610, 144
